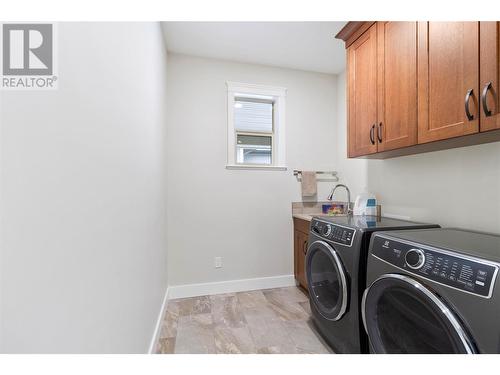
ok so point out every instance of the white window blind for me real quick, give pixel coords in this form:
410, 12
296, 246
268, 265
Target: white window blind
253, 115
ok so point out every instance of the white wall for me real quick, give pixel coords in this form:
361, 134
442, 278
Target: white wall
83, 196
352, 172
243, 216
457, 187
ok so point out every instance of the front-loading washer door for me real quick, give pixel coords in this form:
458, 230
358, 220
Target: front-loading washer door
403, 316
326, 280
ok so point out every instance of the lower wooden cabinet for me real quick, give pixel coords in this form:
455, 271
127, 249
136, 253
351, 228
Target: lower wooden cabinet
300, 245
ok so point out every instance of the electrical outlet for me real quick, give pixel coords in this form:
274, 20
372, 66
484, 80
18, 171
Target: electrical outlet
218, 262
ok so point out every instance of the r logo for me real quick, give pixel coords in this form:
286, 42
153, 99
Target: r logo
27, 49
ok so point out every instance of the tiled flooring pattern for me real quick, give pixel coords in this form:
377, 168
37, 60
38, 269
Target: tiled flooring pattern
262, 321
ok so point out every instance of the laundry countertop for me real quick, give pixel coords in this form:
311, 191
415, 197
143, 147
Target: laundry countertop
306, 217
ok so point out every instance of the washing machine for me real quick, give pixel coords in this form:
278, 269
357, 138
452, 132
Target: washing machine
433, 291
335, 271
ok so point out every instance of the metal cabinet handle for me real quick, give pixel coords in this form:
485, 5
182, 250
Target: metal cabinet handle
379, 132
304, 248
470, 117
486, 110
372, 134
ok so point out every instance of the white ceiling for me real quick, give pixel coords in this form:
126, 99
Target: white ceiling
299, 45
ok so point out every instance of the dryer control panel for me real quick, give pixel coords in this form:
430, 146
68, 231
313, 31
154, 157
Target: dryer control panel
333, 232
442, 266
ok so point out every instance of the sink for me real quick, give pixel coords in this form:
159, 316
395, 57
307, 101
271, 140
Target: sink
306, 211
322, 214
309, 216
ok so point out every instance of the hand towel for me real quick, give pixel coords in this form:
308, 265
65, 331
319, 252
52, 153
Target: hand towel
309, 185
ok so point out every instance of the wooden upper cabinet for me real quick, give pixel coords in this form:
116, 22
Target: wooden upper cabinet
489, 75
362, 94
448, 66
397, 85
421, 86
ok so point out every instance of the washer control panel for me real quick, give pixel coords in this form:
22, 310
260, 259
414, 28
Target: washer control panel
332, 232
460, 272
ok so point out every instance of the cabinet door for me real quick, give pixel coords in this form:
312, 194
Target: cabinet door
397, 85
362, 93
301, 259
448, 66
489, 75
296, 253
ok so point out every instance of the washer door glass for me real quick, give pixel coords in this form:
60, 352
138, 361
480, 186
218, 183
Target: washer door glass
326, 280
403, 316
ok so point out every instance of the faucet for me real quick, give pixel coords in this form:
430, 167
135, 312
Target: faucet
330, 196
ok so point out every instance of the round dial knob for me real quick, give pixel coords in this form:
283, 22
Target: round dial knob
415, 258
327, 229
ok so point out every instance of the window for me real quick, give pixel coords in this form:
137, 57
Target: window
253, 124
256, 126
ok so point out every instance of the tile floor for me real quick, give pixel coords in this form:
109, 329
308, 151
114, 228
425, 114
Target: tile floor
261, 321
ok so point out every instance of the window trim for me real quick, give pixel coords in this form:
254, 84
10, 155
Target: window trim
278, 94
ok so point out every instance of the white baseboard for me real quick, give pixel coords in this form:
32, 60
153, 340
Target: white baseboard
156, 332
231, 286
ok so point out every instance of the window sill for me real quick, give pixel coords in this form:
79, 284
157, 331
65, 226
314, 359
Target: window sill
257, 167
